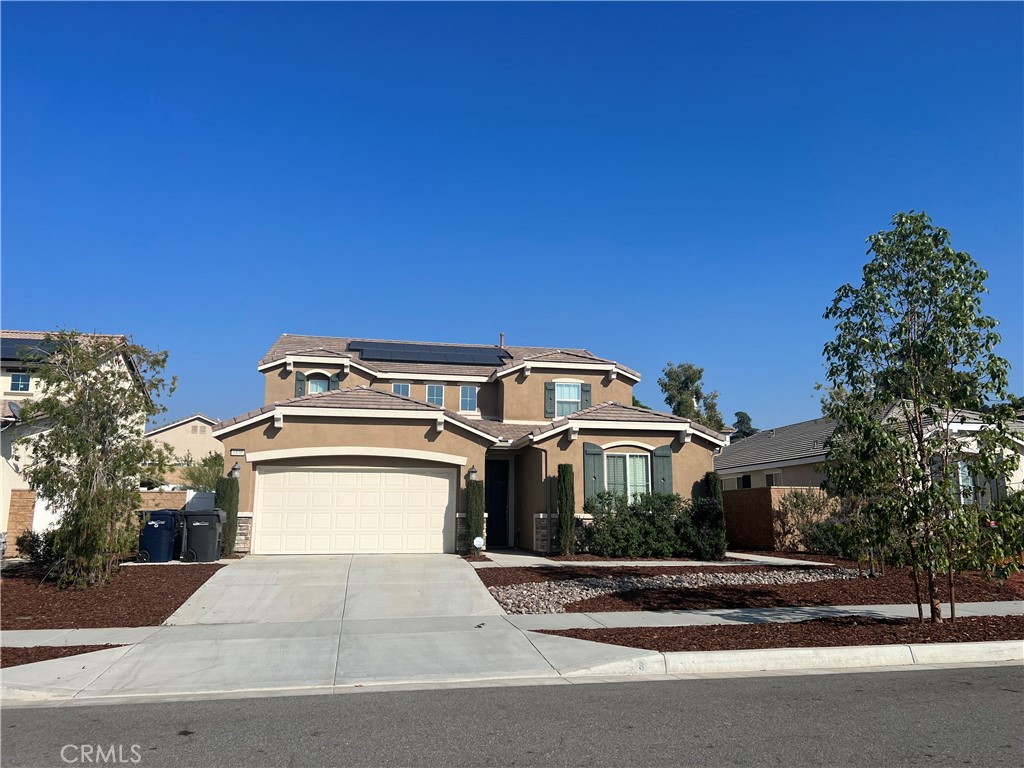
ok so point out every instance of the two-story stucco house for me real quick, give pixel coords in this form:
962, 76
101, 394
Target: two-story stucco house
366, 446
190, 437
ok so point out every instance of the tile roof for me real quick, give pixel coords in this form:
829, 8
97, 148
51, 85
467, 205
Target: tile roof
169, 425
361, 398
804, 440
338, 346
631, 414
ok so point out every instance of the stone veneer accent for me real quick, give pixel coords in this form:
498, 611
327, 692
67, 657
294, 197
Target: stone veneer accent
19, 519
153, 500
243, 536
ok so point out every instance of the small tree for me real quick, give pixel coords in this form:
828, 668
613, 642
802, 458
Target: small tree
96, 394
566, 509
204, 474
713, 486
475, 511
914, 357
685, 395
226, 499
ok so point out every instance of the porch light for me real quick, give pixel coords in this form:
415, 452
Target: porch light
236, 471
472, 473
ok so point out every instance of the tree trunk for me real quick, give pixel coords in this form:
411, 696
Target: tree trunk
933, 597
952, 597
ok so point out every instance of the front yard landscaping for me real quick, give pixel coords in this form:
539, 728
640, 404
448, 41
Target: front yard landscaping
814, 633
137, 596
14, 657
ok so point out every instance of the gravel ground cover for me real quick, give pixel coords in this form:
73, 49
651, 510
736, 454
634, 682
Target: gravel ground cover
814, 633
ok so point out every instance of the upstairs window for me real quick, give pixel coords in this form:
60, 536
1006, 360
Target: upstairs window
316, 382
435, 394
567, 399
400, 388
20, 382
627, 473
467, 398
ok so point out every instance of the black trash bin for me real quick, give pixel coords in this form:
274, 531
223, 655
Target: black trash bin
202, 535
161, 531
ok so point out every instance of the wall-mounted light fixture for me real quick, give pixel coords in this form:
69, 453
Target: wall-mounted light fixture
236, 471
471, 475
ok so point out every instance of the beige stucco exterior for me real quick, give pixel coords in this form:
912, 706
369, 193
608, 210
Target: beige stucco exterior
193, 437
807, 475
523, 396
280, 382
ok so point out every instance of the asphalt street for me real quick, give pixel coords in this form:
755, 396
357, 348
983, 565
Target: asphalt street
967, 716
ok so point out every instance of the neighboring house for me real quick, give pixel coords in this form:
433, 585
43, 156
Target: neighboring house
191, 436
366, 446
21, 510
791, 456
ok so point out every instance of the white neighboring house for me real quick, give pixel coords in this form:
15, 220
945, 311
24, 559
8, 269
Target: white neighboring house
20, 510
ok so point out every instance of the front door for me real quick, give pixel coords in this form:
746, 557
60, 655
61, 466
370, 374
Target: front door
496, 502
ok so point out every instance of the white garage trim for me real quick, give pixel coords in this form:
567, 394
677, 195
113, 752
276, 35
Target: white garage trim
355, 450
342, 510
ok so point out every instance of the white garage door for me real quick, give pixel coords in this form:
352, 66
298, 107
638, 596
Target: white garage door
332, 510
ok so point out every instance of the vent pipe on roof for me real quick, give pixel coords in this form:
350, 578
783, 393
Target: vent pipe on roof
501, 339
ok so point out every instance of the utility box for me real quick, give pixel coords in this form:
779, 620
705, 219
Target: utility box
203, 531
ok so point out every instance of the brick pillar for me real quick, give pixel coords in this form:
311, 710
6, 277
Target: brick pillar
19, 519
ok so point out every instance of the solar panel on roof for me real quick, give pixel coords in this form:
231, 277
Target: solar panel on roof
13, 349
407, 352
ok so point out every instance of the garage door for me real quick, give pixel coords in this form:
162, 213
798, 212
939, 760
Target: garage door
332, 510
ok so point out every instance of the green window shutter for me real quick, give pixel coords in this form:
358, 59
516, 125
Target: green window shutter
593, 470
549, 399
584, 396
335, 381
300, 384
661, 470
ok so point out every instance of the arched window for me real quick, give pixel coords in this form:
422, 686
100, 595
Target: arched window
316, 382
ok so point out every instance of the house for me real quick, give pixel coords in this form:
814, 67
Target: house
366, 445
792, 455
190, 437
20, 510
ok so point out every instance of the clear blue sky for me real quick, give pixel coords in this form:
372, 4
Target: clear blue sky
653, 182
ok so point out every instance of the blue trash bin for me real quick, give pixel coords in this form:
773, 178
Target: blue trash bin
160, 530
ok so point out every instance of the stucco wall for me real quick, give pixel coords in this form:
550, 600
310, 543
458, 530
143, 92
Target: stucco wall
800, 475
311, 432
181, 440
280, 382
488, 396
523, 395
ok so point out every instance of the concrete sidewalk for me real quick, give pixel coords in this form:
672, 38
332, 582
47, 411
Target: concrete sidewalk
242, 659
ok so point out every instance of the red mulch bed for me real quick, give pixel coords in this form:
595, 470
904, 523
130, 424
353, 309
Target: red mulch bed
827, 632
503, 577
895, 587
13, 657
476, 558
137, 596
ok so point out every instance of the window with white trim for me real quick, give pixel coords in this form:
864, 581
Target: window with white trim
20, 382
400, 388
435, 394
567, 398
467, 397
627, 473
316, 382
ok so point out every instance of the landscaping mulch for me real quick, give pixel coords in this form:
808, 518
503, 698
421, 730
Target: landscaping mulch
894, 588
813, 633
13, 657
504, 577
477, 559
142, 596
588, 558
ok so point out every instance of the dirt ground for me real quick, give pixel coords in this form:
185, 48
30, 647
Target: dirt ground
13, 657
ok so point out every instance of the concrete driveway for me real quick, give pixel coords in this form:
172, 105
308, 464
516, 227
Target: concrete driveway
272, 589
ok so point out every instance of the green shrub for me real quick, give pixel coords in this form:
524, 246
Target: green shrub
797, 513
651, 525
226, 498
707, 532
474, 510
37, 547
566, 509
835, 536
713, 486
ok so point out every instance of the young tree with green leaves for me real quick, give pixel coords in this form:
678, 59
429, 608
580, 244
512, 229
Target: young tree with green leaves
203, 475
95, 397
912, 362
685, 395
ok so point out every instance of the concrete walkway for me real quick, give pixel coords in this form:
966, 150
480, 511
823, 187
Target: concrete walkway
515, 558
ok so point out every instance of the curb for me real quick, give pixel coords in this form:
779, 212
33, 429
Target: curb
647, 664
